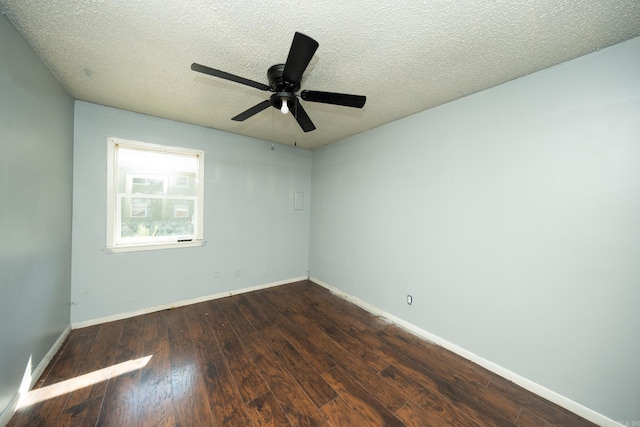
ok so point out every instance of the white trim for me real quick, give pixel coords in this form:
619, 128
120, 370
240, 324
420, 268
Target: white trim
6, 415
153, 247
533, 387
120, 316
156, 196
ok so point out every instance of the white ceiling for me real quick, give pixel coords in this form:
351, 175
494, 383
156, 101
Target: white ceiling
405, 56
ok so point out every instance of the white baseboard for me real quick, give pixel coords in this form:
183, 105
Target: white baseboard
35, 374
533, 387
120, 316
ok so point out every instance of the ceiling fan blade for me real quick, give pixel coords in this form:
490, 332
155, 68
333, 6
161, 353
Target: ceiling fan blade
251, 111
356, 101
227, 76
302, 49
302, 117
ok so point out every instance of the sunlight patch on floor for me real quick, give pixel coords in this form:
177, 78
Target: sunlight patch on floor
82, 381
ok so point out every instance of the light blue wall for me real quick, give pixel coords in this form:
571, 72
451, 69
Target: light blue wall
513, 218
36, 154
250, 224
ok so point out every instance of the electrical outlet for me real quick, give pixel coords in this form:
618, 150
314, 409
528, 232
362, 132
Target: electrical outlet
409, 299
238, 273
216, 274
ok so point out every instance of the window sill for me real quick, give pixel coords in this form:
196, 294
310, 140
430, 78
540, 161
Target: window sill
152, 247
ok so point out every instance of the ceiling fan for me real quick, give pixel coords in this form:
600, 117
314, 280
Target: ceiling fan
284, 81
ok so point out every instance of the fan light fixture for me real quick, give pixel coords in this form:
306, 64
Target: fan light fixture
285, 107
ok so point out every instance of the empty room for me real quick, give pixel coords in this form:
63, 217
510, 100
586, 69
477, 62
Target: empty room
420, 213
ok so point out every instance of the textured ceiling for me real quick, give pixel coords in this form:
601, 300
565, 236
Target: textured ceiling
405, 56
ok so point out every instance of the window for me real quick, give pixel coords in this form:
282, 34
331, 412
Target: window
182, 181
138, 210
154, 196
181, 211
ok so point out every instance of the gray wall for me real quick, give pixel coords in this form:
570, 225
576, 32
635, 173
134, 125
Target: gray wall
513, 218
250, 224
36, 153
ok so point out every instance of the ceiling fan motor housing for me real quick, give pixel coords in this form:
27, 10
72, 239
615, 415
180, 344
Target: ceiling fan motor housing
283, 90
277, 83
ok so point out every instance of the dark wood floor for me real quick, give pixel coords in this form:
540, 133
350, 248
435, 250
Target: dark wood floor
289, 355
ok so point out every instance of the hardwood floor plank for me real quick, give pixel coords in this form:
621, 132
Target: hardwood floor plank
81, 414
251, 313
314, 334
334, 308
452, 370
537, 406
247, 378
462, 373
388, 394
266, 411
309, 379
410, 371
339, 413
190, 400
414, 416
314, 355
53, 389
63, 350
83, 405
240, 323
355, 347
367, 406
450, 367
101, 353
155, 328
317, 328
438, 406
370, 321
120, 400
353, 320
526, 418
299, 409
376, 361
227, 405
156, 390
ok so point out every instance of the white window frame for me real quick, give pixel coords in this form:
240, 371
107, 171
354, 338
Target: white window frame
113, 245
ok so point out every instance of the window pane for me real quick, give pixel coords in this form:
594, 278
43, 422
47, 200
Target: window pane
155, 162
154, 172
154, 219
